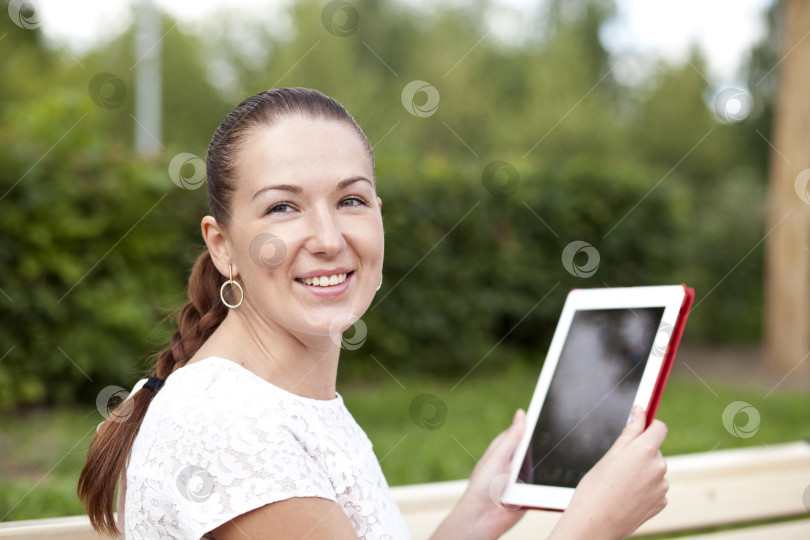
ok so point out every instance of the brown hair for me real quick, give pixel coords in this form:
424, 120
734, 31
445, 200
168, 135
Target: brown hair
106, 457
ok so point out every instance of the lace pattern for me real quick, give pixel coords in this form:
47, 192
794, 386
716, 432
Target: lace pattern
219, 441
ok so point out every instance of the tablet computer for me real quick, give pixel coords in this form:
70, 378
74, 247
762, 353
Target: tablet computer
612, 349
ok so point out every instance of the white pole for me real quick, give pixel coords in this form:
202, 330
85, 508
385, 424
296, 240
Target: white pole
147, 123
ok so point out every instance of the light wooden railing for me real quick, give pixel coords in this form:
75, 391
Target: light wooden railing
742, 489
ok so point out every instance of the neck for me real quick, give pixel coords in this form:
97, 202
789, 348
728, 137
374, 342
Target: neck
302, 365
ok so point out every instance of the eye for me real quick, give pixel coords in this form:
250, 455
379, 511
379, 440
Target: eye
280, 208
353, 201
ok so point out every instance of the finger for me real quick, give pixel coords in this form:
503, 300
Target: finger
515, 431
513, 435
655, 434
503, 446
632, 430
519, 420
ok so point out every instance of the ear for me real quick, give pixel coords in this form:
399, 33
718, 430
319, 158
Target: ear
218, 245
379, 203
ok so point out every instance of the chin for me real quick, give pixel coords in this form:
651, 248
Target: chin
330, 325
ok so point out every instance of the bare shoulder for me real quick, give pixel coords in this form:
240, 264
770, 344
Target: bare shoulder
119, 505
300, 517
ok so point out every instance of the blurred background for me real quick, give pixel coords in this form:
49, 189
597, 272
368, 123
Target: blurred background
523, 149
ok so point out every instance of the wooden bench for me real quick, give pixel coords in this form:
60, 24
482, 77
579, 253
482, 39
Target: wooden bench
754, 493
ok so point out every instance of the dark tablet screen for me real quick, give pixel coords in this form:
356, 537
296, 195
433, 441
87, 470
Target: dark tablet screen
591, 393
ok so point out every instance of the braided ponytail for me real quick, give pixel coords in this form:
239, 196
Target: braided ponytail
110, 447
204, 312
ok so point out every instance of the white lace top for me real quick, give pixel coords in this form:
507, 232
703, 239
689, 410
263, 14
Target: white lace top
218, 441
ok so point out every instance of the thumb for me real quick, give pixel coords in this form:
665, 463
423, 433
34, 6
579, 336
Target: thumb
633, 429
504, 445
516, 430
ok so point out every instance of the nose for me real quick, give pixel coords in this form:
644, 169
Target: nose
325, 236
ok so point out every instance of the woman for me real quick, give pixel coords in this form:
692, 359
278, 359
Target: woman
240, 432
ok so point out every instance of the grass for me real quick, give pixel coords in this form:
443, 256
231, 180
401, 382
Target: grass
481, 407
42, 454
43, 450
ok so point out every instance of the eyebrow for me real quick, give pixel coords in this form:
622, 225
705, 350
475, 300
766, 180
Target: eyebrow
343, 184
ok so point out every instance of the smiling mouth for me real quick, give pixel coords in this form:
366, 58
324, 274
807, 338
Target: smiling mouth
324, 281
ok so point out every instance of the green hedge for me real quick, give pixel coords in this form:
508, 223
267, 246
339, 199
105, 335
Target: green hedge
465, 267
84, 287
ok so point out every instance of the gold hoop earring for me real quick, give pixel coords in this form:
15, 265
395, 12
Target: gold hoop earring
231, 282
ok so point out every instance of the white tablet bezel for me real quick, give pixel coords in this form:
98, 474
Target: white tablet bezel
670, 297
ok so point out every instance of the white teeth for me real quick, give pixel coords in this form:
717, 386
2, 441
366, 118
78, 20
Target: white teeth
325, 281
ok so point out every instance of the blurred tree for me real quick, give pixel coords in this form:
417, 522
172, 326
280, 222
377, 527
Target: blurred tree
192, 105
787, 336
22, 72
762, 83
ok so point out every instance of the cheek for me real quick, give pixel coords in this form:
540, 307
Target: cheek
370, 242
264, 253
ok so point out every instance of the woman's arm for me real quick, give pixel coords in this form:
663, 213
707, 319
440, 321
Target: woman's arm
119, 504
623, 490
290, 519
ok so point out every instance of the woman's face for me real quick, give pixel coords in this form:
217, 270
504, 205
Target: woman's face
306, 231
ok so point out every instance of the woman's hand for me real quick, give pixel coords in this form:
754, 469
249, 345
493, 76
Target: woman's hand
479, 515
623, 490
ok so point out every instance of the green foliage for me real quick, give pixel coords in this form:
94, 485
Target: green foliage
470, 267
91, 251
191, 106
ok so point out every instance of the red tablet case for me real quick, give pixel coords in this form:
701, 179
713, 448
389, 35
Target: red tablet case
669, 356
